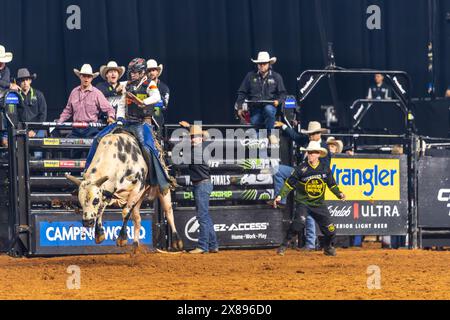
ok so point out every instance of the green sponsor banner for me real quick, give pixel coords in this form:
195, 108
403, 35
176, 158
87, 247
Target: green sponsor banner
245, 195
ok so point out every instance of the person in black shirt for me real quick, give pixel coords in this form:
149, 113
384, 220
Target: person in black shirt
33, 107
380, 90
111, 88
282, 172
5, 84
310, 180
199, 173
154, 71
264, 84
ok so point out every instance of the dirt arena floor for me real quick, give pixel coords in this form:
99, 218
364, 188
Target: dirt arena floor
257, 274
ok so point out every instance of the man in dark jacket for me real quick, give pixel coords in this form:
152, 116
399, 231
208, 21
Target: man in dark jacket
111, 88
33, 107
154, 71
200, 176
380, 90
263, 85
5, 84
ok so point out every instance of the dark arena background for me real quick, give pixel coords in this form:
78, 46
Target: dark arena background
393, 229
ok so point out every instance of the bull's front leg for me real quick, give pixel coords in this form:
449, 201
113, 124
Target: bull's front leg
133, 199
99, 230
122, 239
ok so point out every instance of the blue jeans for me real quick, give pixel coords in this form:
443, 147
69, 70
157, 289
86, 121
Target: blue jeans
398, 241
4, 134
143, 132
310, 233
263, 117
357, 241
207, 239
280, 176
83, 133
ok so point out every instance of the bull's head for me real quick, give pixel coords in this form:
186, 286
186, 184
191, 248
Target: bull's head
91, 198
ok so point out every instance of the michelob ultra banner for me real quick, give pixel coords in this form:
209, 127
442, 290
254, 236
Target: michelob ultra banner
365, 179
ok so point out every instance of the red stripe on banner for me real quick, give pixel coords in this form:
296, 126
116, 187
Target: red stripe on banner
355, 211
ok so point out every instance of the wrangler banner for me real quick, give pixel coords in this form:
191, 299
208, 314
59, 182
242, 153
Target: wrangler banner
376, 195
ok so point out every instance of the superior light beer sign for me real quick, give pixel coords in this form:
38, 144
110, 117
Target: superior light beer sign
376, 195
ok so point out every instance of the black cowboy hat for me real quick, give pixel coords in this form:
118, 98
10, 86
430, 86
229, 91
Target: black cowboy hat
25, 74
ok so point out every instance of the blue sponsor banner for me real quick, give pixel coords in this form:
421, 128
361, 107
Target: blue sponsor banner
73, 234
290, 103
12, 98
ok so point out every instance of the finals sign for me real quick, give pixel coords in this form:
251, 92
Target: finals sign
366, 179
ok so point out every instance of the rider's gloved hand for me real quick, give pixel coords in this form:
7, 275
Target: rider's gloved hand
120, 121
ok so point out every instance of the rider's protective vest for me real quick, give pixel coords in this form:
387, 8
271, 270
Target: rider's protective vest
143, 92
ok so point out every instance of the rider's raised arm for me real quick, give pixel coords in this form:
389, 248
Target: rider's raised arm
153, 94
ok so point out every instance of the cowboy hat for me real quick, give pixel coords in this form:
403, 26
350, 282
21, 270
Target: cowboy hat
5, 57
315, 146
23, 73
264, 57
112, 65
196, 130
314, 127
338, 143
152, 64
86, 69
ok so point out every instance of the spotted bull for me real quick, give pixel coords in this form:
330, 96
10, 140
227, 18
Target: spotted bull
117, 177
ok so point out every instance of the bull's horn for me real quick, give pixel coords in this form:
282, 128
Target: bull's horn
73, 179
101, 181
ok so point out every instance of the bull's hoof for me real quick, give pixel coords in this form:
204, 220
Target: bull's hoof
99, 238
177, 243
135, 247
121, 242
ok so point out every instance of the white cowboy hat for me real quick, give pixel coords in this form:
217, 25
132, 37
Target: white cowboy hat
86, 69
5, 57
264, 57
315, 146
112, 65
152, 64
314, 127
338, 143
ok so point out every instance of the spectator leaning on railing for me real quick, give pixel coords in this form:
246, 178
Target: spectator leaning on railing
85, 104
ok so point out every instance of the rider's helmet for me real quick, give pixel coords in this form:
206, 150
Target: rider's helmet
137, 65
